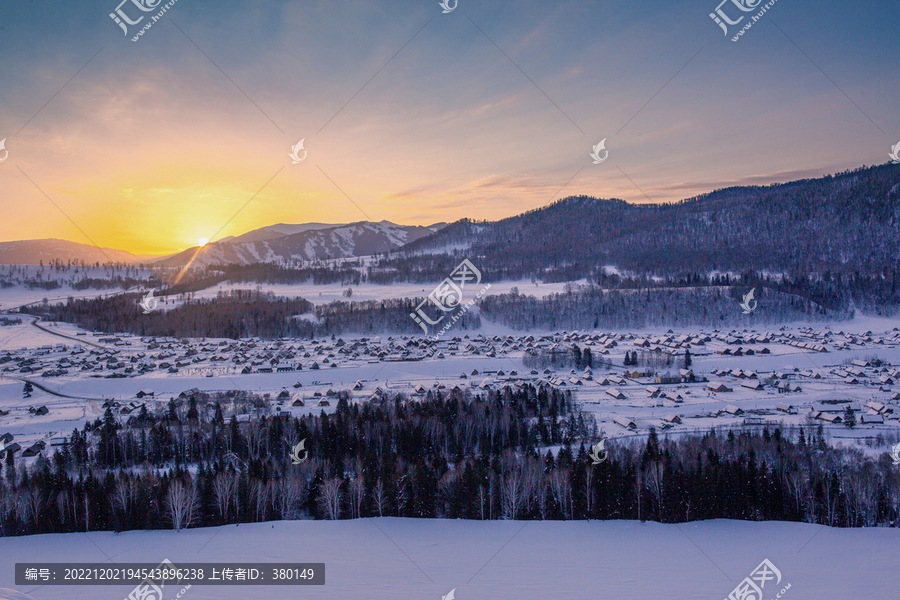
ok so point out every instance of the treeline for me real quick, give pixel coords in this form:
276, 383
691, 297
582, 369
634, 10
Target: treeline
591, 307
447, 456
228, 317
243, 313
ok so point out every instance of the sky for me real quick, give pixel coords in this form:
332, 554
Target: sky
417, 116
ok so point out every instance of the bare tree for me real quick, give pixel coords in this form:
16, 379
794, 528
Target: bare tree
562, 491
357, 495
181, 504
380, 498
260, 491
287, 497
224, 487
331, 498
36, 505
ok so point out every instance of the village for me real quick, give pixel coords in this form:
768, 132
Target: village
629, 382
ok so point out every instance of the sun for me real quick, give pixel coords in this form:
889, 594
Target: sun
202, 242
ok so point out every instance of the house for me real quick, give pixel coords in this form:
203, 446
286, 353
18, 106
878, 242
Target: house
870, 419
191, 392
614, 393
672, 418
33, 450
624, 422
829, 417
298, 402
686, 375
752, 385
146, 392
41, 410
653, 391
358, 386
786, 408
836, 408
14, 447
718, 386
667, 378
6, 438
879, 408
731, 409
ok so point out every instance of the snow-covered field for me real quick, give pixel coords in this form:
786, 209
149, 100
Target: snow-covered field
393, 558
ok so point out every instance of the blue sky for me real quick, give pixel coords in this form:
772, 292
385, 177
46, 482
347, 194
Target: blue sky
484, 112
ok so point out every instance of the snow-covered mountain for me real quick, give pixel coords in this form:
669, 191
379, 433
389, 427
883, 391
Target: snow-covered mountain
32, 252
309, 241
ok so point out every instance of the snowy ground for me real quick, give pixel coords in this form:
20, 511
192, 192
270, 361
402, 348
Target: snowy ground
411, 558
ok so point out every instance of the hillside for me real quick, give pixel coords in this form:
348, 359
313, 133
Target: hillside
843, 224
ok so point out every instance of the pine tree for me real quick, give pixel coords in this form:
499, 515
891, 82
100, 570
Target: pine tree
687, 359
849, 417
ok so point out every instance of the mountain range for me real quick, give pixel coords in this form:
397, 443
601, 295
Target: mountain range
280, 243
847, 223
